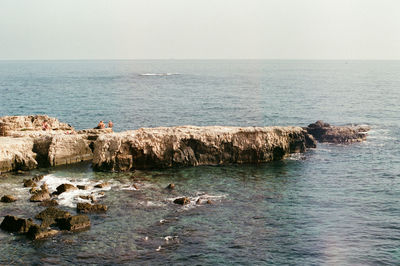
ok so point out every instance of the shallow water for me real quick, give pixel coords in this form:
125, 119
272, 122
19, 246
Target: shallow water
336, 204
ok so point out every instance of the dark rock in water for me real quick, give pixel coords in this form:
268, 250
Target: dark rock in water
323, 132
82, 187
135, 186
36, 232
15, 224
182, 201
87, 207
49, 203
210, 202
74, 223
65, 188
8, 199
102, 185
52, 213
29, 183
41, 195
49, 216
171, 186
37, 178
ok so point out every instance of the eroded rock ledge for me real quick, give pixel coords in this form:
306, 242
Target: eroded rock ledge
24, 145
192, 146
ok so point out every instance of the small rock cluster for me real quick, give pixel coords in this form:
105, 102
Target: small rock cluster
52, 218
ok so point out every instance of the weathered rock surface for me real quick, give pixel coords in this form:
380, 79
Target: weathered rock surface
25, 145
191, 146
40, 195
8, 199
28, 146
15, 224
74, 223
65, 188
16, 154
49, 216
36, 232
88, 208
323, 132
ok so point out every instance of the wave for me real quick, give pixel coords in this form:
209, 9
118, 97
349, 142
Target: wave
159, 74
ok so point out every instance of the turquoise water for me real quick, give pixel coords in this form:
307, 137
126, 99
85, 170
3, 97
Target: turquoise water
332, 205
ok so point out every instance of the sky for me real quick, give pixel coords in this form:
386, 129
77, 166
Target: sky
199, 29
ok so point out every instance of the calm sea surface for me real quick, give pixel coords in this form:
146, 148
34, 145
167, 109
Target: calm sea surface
335, 205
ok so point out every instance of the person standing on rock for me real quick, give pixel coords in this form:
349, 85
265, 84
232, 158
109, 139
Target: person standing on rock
110, 124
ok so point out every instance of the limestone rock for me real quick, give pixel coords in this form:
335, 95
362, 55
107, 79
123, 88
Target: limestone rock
8, 199
49, 203
82, 187
88, 208
323, 132
29, 183
49, 216
182, 201
74, 223
39, 196
16, 154
191, 146
65, 188
36, 232
15, 224
102, 185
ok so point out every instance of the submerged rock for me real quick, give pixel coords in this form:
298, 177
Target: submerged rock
8, 199
83, 207
324, 132
15, 224
36, 232
74, 223
182, 201
65, 188
49, 216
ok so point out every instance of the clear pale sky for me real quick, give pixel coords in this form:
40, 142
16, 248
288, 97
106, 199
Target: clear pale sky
199, 29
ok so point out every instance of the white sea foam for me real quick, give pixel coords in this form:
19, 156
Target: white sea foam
70, 198
159, 74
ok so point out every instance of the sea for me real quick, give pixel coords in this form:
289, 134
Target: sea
332, 205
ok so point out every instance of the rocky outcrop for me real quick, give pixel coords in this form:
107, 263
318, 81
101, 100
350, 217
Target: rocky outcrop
28, 146
16, 154
191, 146
30, 123
323, 132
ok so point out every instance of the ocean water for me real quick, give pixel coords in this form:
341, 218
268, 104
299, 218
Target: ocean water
333, 205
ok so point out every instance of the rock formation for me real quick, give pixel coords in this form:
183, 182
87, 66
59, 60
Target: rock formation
323, 132
24, 145
192, 146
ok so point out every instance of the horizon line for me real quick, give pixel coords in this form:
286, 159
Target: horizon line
201, 59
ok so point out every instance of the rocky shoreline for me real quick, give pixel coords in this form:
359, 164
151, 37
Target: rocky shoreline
25, 145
